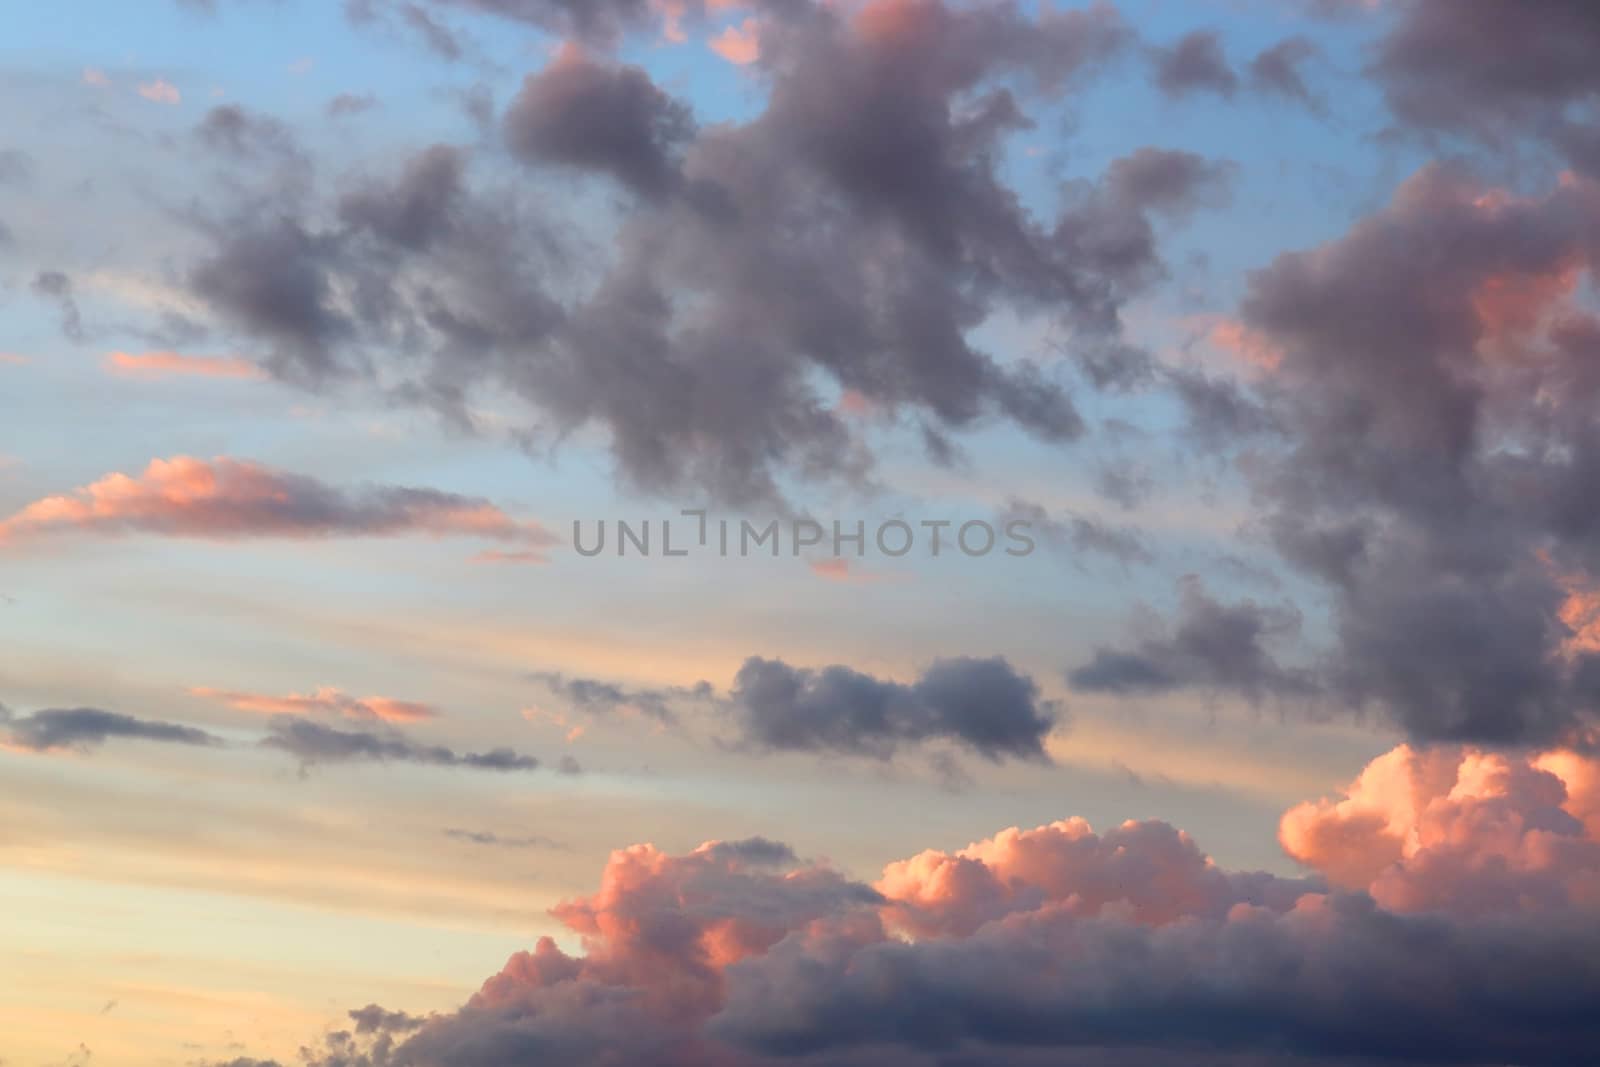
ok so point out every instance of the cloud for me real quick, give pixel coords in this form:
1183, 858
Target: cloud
1495, 71
1217, 646
493, 840
982, 705
228, 499
16, 167
1082, 535
1196, 63
1462, 931
1439, 442
740, 44
1431, 445
168, 364
161, 91
81, 729
57, 287
600, 22
910, 248
347, 104
590, 115
1276, 69
324, 701
595, 697
314, 744
1461, 830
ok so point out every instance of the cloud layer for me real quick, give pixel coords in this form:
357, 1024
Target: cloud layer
1450, 918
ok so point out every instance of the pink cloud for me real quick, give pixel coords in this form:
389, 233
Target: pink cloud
228, 499
1034, 946
161, 91
500, 556
95, 78
1459, 829
324, 701
167, 364
739, 44
13, 359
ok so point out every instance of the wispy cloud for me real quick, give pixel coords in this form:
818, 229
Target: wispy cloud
228, 499
172, 364
323, 701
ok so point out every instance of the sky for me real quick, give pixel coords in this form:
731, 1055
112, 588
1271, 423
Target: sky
1154, 442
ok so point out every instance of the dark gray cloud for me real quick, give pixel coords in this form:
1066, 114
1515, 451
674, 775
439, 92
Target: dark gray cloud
1499, 70
856, 230
373, 1019
1434, 414
1196, 63
1054, 947
85, 728
592, 115
1216, 646
313, 744
983, 705
1358, 986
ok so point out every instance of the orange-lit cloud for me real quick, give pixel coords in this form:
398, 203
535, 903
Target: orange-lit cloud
739, 44
495, 555
161, 91
323, 701
1510, 305
738, 948
228, 499
839, 569
1459, 829
1246, 346
169, 364
13, 359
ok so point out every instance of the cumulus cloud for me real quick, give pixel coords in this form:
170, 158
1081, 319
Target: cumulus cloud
589, 114
1431, 447
1496, 70
983, 705
1459, 829
228, 499
700, 341
1461, 930
1195, 63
